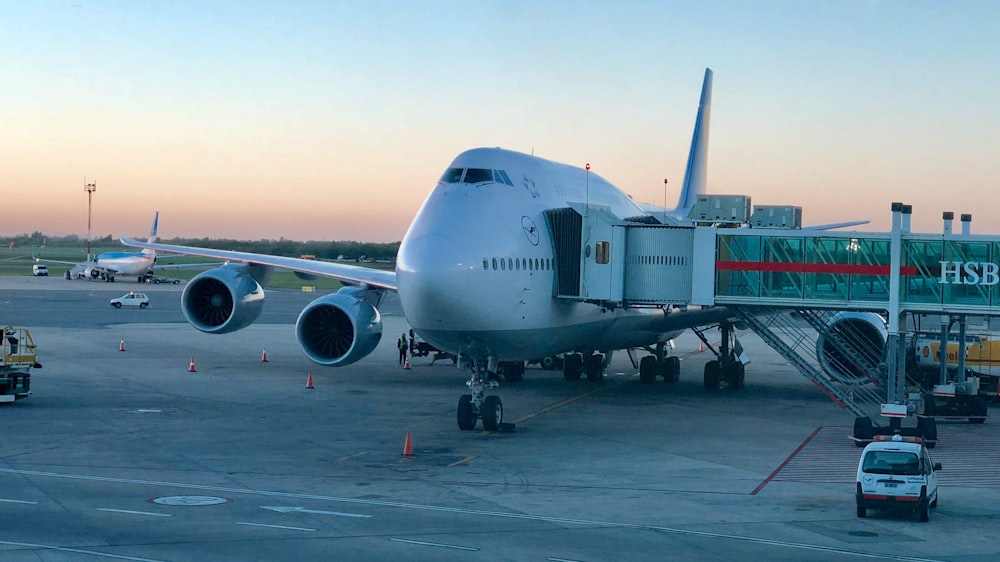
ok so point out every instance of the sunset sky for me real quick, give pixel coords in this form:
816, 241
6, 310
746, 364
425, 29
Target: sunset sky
329, 120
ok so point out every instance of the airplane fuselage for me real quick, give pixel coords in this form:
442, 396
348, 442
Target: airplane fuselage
476, 270
125, 263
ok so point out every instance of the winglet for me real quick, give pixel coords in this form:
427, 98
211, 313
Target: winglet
696, 171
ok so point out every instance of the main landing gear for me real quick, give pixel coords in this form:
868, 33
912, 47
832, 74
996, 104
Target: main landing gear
577, 364
659, 365
476, 405
726, 371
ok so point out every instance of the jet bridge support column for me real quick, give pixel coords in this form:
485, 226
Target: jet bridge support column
895, 407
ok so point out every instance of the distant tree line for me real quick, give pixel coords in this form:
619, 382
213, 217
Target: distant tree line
322, 250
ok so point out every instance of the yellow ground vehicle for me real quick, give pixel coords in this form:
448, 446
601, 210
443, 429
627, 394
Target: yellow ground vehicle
18, 359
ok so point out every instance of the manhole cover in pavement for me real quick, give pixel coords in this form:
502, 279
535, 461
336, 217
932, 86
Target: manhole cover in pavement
189, 500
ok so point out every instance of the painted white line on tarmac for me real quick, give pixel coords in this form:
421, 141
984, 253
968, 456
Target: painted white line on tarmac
276, 526
437, 544
482, 513
17, 501
134, 512
79, 551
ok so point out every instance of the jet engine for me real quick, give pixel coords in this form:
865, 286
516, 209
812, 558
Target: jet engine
92, 272
223, 300
851, 345
339, 329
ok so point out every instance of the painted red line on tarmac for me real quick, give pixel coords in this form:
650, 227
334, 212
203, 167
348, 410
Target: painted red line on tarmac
782, 466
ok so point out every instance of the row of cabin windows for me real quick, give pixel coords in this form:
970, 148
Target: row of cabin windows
475, 175
518, 264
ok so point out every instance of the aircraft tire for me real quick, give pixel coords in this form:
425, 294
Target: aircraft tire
672, 371
466, 417
863, 430
647, 369
595, 367
979, 409
711, 377
928, 431
572, 366
492, 413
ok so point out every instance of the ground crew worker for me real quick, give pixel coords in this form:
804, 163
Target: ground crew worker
402, 345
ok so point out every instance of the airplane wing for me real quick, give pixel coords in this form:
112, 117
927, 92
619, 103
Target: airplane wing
834, 225
341, 272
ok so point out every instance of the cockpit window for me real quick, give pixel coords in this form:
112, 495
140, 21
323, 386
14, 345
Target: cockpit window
502, 176
452, 175
478, 175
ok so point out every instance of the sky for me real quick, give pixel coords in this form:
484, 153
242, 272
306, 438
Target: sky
331, 120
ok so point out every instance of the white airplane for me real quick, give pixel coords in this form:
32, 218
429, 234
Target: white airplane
476, 276
108, 265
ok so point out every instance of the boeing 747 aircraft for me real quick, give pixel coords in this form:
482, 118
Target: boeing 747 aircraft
476, 276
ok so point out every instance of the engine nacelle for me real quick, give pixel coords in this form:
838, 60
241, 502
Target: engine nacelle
339, 329
222, 300
847, 337
92, 272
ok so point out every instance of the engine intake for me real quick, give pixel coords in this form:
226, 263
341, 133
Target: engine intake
850, 348
222, 300
339, 329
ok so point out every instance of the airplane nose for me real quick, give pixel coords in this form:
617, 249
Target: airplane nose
433, 275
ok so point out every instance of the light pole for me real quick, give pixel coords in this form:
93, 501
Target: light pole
90, 188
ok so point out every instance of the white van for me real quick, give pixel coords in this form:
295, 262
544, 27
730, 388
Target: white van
40, 270
896, 472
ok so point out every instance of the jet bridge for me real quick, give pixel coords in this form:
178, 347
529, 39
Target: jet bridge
850, 292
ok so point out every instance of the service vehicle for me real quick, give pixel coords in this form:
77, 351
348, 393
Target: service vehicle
16, 361
40, 270
897, 473
162, 281
132, 299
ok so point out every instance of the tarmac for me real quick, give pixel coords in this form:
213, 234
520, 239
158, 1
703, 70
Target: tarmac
127, 455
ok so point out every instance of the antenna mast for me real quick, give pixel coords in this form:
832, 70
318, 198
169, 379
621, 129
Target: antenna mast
90, 188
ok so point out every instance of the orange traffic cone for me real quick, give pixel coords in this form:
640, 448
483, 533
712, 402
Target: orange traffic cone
406, 365
309, 382
191, 368
121, 346
701, 347
263, 357
408, 446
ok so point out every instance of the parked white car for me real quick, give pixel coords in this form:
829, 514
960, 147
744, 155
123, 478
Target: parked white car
131, 298
897, 473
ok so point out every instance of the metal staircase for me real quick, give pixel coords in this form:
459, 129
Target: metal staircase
794, 336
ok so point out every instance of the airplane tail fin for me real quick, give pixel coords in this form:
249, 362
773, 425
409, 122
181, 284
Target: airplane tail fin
152, 235
696, 171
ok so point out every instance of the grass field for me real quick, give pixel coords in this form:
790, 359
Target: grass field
19, 262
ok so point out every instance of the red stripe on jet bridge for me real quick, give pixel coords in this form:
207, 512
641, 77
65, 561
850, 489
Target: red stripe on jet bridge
795, 267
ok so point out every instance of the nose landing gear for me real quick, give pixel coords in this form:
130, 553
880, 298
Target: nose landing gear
477, 405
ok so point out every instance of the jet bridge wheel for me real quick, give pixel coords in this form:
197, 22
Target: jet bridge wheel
492, 413
466, 415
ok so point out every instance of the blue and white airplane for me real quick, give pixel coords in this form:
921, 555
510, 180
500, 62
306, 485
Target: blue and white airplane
108, 265
475, 276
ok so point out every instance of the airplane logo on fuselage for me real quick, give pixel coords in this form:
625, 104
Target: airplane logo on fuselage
530, 230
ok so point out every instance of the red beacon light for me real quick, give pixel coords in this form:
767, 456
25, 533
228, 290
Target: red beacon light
898, 438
